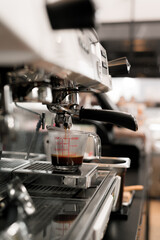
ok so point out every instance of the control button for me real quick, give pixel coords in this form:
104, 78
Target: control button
104, 64
83, 45
103, 53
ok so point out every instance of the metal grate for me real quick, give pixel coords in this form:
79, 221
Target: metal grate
40, 167
56, 191
4, 180
3, 186
45, 211
10, 164
46, 172
22, 155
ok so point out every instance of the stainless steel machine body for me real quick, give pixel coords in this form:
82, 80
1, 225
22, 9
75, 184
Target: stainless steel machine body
67, 206
41, 64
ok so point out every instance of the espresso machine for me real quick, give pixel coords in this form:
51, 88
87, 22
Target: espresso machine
49, 56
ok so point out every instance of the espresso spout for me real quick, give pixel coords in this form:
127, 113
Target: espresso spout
114, 117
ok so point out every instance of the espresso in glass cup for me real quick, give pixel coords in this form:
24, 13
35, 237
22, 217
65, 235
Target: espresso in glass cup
67, 148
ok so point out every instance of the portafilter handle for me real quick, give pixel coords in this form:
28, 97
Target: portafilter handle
114, 117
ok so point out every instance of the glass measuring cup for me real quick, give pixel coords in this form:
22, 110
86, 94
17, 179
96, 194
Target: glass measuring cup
67, 147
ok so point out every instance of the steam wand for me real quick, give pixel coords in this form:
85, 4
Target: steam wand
40, 123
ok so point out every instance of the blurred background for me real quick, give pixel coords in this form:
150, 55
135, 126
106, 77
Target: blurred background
131, 28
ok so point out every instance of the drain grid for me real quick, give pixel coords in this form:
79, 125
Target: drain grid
40, 167
45, 211
3, 186
11, 164
52, 190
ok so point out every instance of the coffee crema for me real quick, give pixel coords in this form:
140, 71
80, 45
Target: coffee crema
58, 160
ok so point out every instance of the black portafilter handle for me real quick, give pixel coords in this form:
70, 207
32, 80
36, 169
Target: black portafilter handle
114, 117
71, 14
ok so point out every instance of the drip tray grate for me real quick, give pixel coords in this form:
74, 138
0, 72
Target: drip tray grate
22, 155
45, 210
42, 167
81, 178
12, 160
49, 213
51, 191
4, 180
3, 186
10, 165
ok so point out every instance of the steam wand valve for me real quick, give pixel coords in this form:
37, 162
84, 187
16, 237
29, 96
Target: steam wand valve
18, 193
17, 208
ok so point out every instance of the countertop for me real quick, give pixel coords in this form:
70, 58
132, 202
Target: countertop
127, 228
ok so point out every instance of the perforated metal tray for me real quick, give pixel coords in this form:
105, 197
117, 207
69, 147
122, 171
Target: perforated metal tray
12, 160
81, 178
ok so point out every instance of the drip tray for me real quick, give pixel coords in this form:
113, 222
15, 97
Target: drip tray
12, 160
55, 217
51, 191
45, 170
8, 165
22, 155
